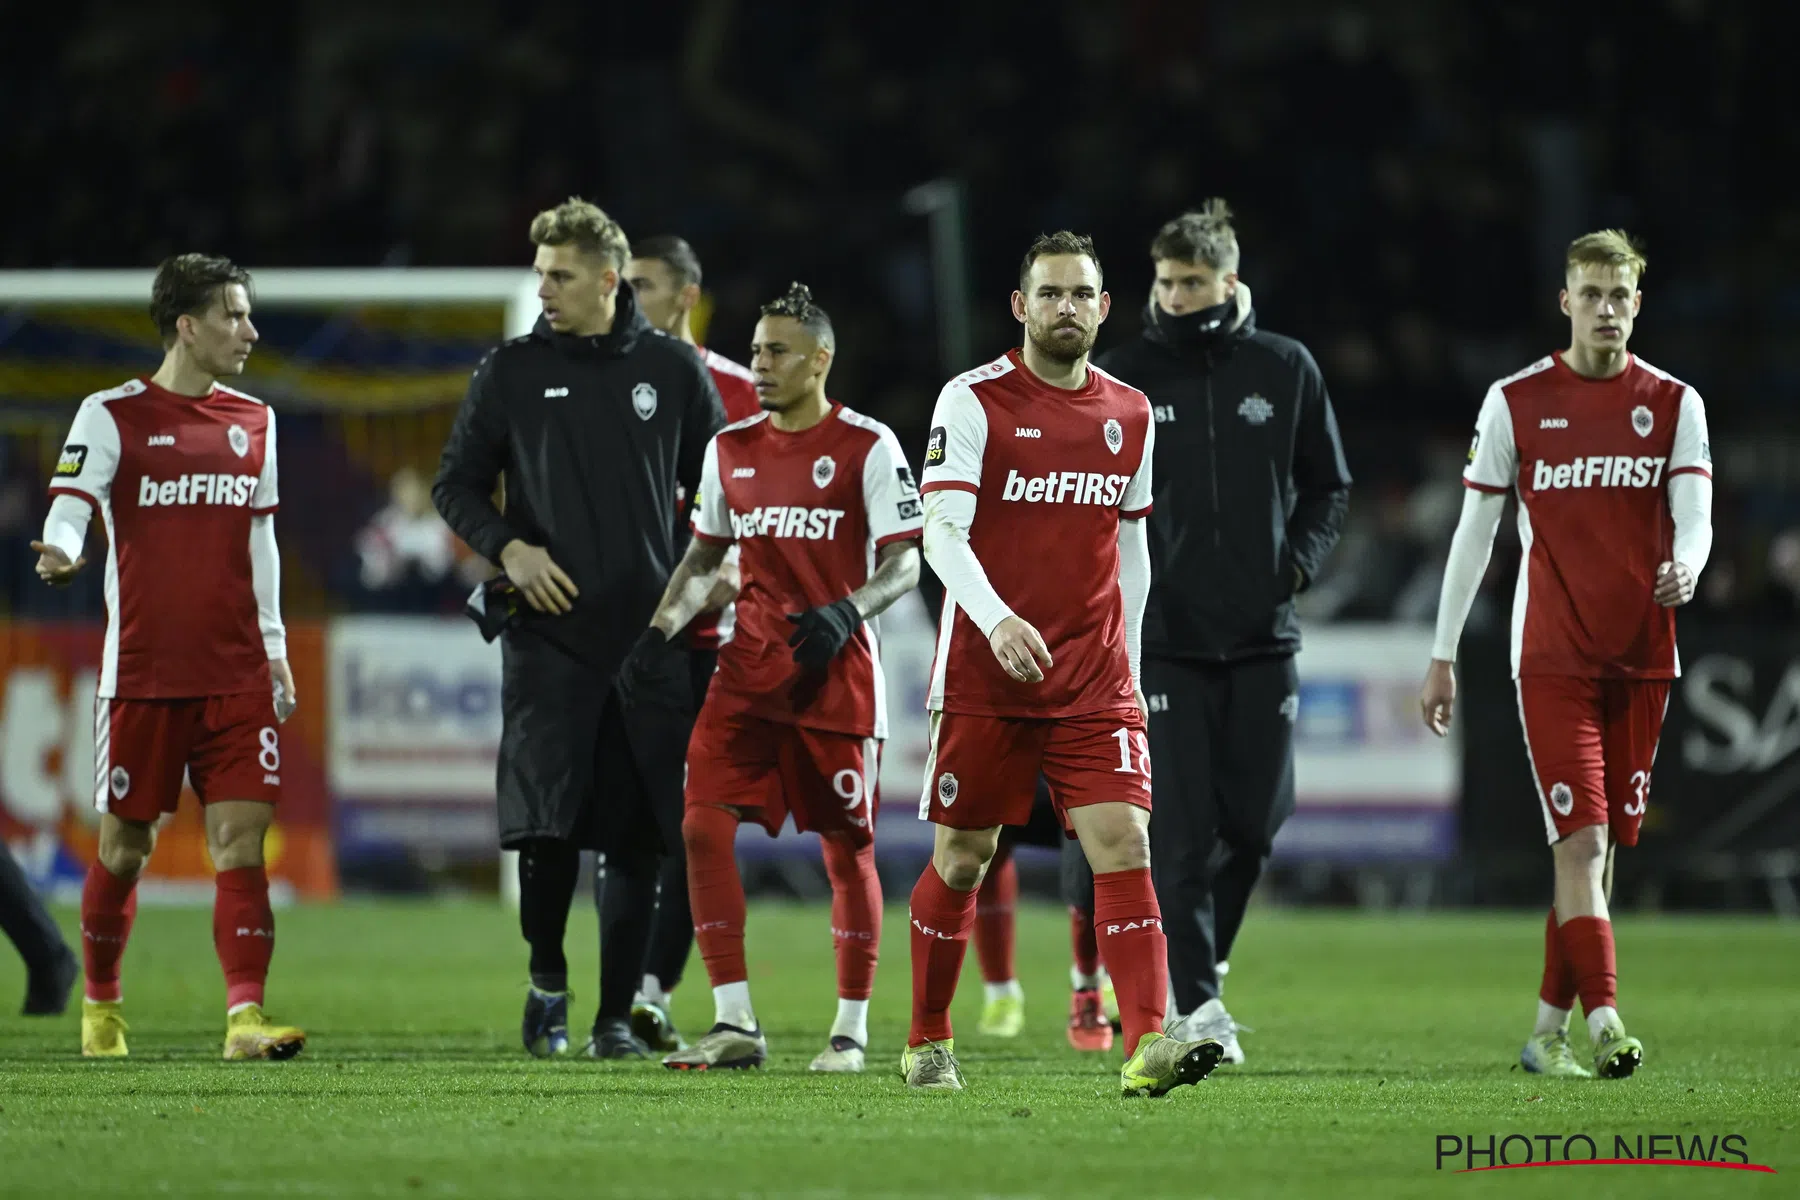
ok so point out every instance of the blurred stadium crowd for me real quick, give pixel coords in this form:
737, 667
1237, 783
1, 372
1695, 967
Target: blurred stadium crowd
1406, 175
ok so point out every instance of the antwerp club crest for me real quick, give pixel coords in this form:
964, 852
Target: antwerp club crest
240, 441
120, 780
946, 789
1562, 799
643, 401
824, 470
1115, 435
1641, 421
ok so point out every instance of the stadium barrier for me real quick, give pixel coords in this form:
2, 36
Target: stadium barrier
390, 761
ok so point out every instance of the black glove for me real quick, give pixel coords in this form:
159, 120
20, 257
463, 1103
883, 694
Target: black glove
495, 606
819, 633
655, 673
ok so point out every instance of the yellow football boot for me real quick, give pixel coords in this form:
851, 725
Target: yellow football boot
248, 1034
103, 1029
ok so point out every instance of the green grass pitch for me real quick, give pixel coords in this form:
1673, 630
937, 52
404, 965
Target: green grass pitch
1374, 1034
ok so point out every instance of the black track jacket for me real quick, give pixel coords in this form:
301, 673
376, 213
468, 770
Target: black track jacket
593, 434
1251, 486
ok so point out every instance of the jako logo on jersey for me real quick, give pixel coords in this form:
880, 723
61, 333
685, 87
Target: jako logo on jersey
1067, 487
1599, 470
1255, 409
1641, 421
162, 439
550, 393
1115, 435
743, 472
233, 491
1554, 423
1023, 431
1562, 799
72, 460
780, 520
824, 469
643, 401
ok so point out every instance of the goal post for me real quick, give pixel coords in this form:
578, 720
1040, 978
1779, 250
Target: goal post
510, 294
301, 287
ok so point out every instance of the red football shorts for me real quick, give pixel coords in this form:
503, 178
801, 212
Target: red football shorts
228, 746
827, 781
1592, 743
983, 771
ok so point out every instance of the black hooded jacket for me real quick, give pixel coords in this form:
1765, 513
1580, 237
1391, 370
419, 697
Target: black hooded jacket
1250, 481
593, 435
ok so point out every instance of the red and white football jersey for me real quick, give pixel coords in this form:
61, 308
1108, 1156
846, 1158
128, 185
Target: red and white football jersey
808, 512
1054, 472
737, 388
176, 479
1591, 460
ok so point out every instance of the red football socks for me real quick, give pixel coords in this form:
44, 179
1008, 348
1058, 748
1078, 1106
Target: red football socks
1128, 928
1083, 945
940, 918
996, 904
108, 906
716, 892
1558, 988
243, 932
1588, 941
855, 915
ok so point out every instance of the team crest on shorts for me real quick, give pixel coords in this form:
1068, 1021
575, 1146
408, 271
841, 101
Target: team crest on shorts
1562, 799
946, 789
1642, 421
824, 470
643, 401
240, 441
120, 781
1115, 435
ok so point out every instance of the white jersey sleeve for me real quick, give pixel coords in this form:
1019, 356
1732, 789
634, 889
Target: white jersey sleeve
1493, 455
1136, 503
958, 441
267, 497
90, 454
712, 519
1692, 452
895, 510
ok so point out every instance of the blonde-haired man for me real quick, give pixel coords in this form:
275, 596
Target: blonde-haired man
596, 419
1610, 460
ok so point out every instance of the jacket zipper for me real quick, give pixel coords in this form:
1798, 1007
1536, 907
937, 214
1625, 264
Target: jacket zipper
1212, 453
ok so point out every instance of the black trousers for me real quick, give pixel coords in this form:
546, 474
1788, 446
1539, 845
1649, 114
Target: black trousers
672, 932
1222, 785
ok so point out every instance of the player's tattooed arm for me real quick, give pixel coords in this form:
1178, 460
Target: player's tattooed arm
896, 573
689, 587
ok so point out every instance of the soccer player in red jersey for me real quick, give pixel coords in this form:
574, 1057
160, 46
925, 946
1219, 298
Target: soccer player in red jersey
1037, 477
1611, 465
194, 676
664, 274
824, 509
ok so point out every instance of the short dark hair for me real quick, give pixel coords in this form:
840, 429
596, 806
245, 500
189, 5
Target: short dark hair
186, 284
1060, 242
1202, 235
797, 302
673, 253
